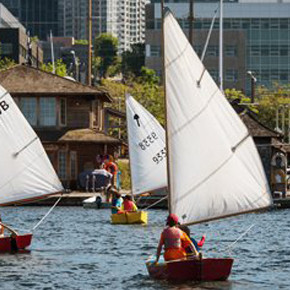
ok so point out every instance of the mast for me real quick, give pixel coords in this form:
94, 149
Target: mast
190, 36
221, 47
165, 106
89, 42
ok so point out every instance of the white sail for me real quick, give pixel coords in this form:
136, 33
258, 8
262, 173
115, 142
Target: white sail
25, 170
215, 170
146, 138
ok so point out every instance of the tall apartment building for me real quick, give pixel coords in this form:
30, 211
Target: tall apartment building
256, 38
38, 17
124, 19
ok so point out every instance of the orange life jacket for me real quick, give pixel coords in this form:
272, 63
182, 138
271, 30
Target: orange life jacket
172, 238
111, 167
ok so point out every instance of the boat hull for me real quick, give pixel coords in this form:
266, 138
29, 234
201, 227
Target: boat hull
207, 269
136, 217
20, 242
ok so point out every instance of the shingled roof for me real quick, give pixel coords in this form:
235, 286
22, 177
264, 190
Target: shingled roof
256, 128
22, 79
88, 135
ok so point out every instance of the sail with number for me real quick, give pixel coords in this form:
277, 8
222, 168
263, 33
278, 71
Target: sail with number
214, 167
26, 171
146, 138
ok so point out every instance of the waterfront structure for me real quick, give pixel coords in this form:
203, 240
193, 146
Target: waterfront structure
39, 17
125, 19
256, 38
67, 116
14, 41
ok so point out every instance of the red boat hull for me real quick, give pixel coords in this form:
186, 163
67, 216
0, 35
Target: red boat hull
207, 269
20, 242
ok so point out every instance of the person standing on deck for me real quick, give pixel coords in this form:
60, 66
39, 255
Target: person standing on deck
111, 167
173, 238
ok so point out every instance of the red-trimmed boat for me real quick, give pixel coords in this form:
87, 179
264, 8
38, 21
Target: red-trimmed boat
25, 169
214, 169
204, 269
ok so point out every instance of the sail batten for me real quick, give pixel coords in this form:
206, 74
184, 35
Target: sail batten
146, 138
26, 171
215, 170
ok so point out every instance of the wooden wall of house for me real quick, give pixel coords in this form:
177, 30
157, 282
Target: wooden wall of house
78, 112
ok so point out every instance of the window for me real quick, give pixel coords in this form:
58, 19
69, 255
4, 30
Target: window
6, 48
73, 165
231, 50
62, 112
28, 108
62, 165
231, 75
155, 50
47, 111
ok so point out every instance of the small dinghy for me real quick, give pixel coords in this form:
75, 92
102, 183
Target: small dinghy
25, 170
214, 168
203, 269
146, 139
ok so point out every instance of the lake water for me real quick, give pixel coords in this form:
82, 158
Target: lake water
78, 248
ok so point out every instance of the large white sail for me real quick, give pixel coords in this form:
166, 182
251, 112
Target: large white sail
146, 138
25, 170
215, 170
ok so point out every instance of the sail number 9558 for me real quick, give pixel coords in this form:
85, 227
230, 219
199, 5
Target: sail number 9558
146, 142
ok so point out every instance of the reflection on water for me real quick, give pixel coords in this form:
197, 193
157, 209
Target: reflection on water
78, 248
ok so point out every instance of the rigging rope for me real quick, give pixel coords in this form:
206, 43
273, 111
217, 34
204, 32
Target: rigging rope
46, 215
161, 199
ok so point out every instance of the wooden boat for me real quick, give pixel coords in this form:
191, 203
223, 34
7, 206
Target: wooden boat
214, 169
133, 217
13, 244
146, 138
26, 173
204, 269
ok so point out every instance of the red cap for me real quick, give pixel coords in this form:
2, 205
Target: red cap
172, 217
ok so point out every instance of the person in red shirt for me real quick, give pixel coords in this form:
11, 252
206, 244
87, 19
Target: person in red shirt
111, 167
173, 239
128, 204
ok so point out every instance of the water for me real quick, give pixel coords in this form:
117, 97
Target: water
78, 248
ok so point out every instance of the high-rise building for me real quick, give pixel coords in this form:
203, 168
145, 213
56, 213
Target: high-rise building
39, 17
256, 38
124, 19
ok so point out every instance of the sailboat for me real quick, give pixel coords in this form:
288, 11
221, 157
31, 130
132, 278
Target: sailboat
147, 154
26, 172
214, 169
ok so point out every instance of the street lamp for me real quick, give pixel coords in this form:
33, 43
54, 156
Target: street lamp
75, 65
253, 84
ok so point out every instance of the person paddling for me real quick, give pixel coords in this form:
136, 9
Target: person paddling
117, 201
173, 238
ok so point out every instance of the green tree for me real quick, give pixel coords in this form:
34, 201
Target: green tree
133, 60
6, 63
60, 67
106, 47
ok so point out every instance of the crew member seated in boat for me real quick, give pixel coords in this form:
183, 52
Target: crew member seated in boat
197, 245
117, 202
172, 238
111, 167
128, 204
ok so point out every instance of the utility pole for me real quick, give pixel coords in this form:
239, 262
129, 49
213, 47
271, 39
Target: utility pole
190, 19
89, 80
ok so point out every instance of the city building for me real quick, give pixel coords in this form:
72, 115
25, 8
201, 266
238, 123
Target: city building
124, 19
38, 17
256, 38
14, 42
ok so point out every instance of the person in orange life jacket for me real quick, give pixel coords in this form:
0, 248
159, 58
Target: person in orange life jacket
111, 166
197, 245
128, 204
173, 238
1, 229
